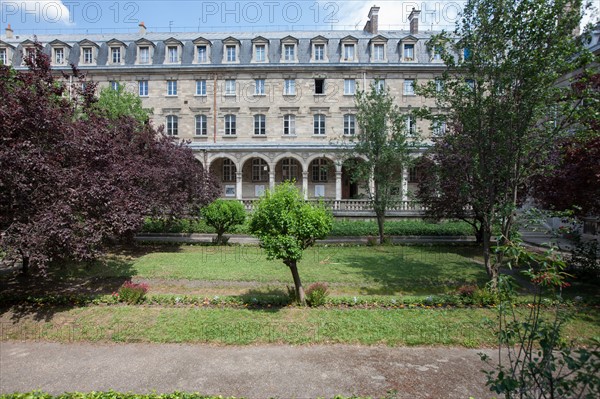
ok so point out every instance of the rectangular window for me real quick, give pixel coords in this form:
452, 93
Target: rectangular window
380, 85
378, 53
348, 52
439, 85
173, 54
439, 128
409, 87
409, 52
3, 56
143, 88
171, 87
349, 124
230, 87
230, 51
437, 53
319, 86
259, 87
470, 83
87, 55
467, 54
202, 53
319, 124
59, 56
411, 124
259, 54
260, 170
289, 125
230, 127
144, 55
413, 175
114, 85
319, 52
201, 87
228, 170
349, 87
201, 125
289, 169
115, 55
289, 52
172, 125
319, 170
260, 125
289, 87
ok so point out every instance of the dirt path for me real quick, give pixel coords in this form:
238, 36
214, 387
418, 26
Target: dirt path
251, 371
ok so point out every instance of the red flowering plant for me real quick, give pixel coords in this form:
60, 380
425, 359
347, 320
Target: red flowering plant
132, 293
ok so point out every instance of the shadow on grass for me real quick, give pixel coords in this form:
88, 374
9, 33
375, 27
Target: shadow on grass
424, 269
63, 286
272, 299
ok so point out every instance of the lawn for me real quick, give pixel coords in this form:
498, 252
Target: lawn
357, 270
457, 327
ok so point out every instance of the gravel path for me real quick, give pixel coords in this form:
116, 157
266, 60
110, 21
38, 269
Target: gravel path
251, 371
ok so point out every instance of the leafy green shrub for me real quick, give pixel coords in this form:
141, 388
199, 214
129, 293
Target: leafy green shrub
316, 294
132, 293
484, 297
223, 215
400, 228
585, 260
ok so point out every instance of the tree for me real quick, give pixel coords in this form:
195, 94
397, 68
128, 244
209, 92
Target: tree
74, 181
223, 215
382, 146
116, 103
286, 225
500, 99
571, 179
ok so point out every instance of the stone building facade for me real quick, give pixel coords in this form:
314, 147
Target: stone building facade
258, 108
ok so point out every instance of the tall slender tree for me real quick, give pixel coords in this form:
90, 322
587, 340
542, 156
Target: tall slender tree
500, 99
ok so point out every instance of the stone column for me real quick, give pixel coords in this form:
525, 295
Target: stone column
271, 177
404, 183
338, 182
238, 185
305, 184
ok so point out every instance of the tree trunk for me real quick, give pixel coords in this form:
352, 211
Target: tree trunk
299, 290
25, 266
478, 234
490, 267
380, 225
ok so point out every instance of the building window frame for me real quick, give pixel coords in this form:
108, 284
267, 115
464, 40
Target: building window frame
59, 56
349, 125
172, 125
260, 125
229, 170
319, 125
230, 87
408, 52
319, 86
259, 87
409, 87
320, 170
349, 52
349, 87
143, 88
289, 125
173, 54
200, 125
289, 87
115, 55
172, 88
289, 169
260, 170
201, 87
231, 53
230, 128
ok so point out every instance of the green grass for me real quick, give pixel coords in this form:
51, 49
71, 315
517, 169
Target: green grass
386, 270
446, 327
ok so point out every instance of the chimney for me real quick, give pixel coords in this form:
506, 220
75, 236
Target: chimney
9, 32
413, 18
372, 25
142, 28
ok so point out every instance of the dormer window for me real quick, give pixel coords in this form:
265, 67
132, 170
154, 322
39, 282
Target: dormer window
378, 47
260, 47
88, 51
59, 56
348, 52
173, 54
144, 57
115, 55
319, 49
289, 47
145, 51
6, 53
231, 50
87, 55
231, 53
436, 53
28, 52
202, 50
348, 49
408, 52
173, 51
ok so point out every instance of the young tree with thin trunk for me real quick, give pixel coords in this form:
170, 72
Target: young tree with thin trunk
381, 148
286, 225
500, 99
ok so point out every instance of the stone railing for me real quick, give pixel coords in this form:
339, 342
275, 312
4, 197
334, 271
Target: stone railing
359, 207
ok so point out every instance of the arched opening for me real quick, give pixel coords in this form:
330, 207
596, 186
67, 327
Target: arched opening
255, 177
225, 170
321, 178
352, 187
